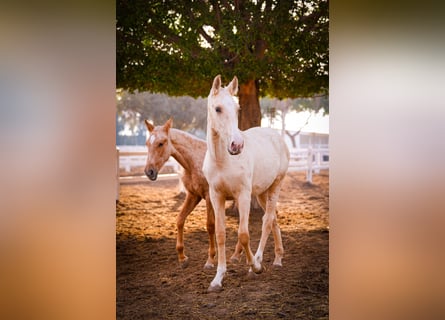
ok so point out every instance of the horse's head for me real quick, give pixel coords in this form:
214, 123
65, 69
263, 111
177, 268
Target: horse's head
222, 115
159, 148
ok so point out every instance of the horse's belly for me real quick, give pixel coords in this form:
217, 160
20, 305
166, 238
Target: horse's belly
261, 184
266, 170
232, 185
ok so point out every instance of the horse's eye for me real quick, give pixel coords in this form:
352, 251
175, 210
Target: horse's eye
160, 144
218, 109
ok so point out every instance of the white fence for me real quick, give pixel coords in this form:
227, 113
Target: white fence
128, 160
136, 156
311, 160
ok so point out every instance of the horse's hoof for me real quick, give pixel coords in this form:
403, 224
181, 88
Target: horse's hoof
209, 266
184, 264
256, 269
215, 288
234, 259
277, 262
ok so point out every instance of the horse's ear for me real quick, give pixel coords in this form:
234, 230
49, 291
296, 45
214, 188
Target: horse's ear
216, 85
168, 125
233, 86
149, 126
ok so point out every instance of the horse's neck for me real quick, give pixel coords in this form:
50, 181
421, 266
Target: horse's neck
217, 148
183, 150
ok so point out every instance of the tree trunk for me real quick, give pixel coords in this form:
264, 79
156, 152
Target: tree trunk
250, 113
283, 122
292, 137
284, 106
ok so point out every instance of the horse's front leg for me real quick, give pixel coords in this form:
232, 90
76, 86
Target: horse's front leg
189, 204
211, 231
220, 231
243, 230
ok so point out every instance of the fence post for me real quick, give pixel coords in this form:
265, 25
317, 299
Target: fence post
309, 165
180, 170
317, 161
117, 174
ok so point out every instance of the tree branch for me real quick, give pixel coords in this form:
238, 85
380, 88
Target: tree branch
260, 48
217, 10
231, 59
205, 35
304, 125
268, 7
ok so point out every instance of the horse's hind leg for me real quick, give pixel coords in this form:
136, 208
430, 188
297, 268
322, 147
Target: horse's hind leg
237, 253
268, 201
189, 204
238, 250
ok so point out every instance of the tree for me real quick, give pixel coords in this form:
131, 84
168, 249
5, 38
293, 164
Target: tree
188, 113
272, 106
275, 48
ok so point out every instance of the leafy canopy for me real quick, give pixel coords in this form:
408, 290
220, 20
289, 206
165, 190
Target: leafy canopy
177, 47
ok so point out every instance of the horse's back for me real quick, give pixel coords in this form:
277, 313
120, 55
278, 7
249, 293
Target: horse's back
267, 144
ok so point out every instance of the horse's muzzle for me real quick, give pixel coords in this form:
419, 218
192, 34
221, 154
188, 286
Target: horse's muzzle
235, 149
151, 174
237, 142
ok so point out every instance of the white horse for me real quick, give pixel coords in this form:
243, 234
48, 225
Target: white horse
239, 164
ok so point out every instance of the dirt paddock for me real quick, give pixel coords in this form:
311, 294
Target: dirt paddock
152, 285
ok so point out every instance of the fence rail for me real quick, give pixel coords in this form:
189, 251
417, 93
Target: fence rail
130, 159
311, 160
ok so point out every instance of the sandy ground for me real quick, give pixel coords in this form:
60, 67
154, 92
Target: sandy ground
152, 285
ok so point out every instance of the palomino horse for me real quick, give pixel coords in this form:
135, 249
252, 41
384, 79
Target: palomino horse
189, 151
239, 164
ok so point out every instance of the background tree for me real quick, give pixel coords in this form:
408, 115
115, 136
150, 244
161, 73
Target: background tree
273, 107
275, 48
188, 113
